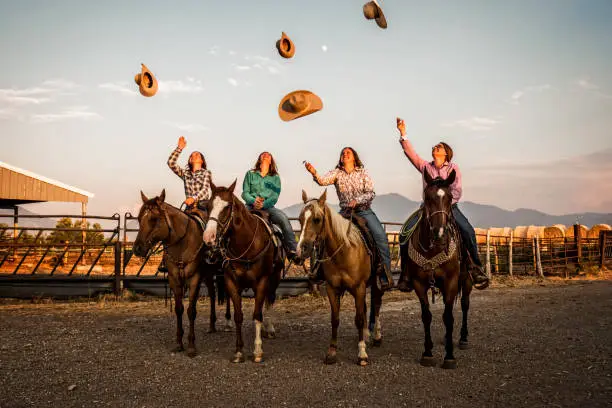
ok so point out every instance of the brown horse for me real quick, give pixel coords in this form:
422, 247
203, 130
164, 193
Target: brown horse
430, 258
346, 266
181, 236
251, 261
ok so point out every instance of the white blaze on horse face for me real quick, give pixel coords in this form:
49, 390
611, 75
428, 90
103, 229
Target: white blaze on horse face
210, 233
307, 215
440, 193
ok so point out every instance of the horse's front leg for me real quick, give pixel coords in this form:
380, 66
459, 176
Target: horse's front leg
334, 302
260, 289
176, 285
194, 293
466, 290
420, 289
236, 295
210, 286
360, 323
450, 293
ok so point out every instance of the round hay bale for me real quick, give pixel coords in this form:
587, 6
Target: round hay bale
481, 235
520, 232
595, 229
556, 231
535, 230
500, 235
569, 232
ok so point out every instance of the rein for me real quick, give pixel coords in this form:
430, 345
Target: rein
330, 257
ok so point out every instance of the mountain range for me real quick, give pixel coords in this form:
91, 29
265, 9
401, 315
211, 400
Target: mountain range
397, 208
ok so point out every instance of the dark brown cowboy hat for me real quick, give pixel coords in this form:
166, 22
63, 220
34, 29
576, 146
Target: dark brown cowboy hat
372, 10
297, 104
146, 81
285, 46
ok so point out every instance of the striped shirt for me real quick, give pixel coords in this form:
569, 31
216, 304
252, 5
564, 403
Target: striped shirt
356, 185
197, 184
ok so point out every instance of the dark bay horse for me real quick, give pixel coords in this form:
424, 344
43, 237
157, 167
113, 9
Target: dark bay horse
346, 266
250, 259
431, 257
181, 236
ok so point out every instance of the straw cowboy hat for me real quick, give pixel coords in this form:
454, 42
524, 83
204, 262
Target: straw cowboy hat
285, 46
372, 10
146, 81
297, 104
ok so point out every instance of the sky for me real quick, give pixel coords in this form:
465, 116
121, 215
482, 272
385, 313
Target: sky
521, 90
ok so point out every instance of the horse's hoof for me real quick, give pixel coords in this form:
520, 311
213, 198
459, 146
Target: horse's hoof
376, 342
258, 358
330, 359
362, 361
191, 352
427, 361
238, 357
463, 345
449, 364
178, 349
269, 335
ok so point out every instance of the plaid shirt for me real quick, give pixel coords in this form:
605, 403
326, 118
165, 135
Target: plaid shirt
356, 185
197, 184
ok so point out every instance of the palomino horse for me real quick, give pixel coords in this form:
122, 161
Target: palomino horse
431, 258
181, 236
346, 266
250, 258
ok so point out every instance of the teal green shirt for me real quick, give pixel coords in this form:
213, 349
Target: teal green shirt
254, 186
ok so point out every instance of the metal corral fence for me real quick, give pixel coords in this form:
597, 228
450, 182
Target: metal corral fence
63, 256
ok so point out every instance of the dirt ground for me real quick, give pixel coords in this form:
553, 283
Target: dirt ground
532, 345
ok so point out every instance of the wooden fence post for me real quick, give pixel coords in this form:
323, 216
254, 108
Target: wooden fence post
578, 243
602, 249
488, 265
510, 252
539, 270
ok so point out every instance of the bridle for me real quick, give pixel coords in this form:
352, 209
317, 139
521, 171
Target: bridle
318, 241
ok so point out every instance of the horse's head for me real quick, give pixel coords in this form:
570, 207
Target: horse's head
437, 199
311, 220
153, 226
220, 210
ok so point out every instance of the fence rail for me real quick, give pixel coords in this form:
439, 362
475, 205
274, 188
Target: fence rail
35, 261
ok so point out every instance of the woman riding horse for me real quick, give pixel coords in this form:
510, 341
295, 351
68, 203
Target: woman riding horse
441, 166
260, 190
355, 191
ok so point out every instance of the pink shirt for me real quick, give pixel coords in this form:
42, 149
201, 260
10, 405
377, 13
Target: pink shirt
443, 172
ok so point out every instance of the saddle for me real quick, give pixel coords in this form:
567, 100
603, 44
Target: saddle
273, 229
199, 214
368, 240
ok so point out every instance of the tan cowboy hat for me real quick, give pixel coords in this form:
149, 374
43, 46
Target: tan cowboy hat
146, 81
372, 10
285, 46
297, 104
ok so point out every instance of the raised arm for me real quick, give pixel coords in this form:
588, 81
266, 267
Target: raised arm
416, 160
326, 180
172, 160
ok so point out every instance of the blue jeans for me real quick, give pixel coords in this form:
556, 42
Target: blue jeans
468, 235
279, 218
378, 232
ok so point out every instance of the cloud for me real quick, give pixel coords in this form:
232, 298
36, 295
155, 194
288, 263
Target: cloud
188, 127
572, 184
587, 85
516, 96
77, 112
259, 62
232, 81
121, 87
214, 50
231, 52
241, 67
475, 123
324, 48
7, 113
190, 85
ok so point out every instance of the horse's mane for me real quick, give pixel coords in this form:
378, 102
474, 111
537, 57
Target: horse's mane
341, 228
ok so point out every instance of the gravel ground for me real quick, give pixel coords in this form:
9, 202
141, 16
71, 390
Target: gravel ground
531, 345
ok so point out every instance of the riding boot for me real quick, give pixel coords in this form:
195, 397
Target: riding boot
384, 277
405, 284
293, 257
479, 276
